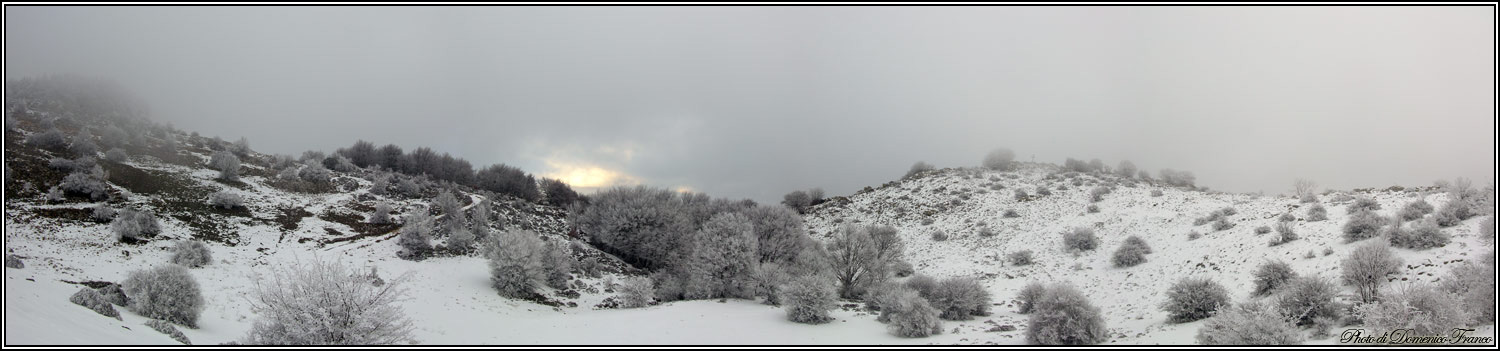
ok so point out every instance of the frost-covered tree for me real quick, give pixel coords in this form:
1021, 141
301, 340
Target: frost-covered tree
558, 263
557, 193
641, 225
1064, 316
446, 202
1367, 266
1309, 299
1126, 169
326, 303
1177, 178
1026, 299
861, 256
779, 231
460, 238
1421, 309
166, 292
636, 292
1306, 190
516, 262
798, 200
508, 180
1001, 159
191, 253
227, 164
1474, 284
724, 258
1080, 239
809, 299
1421, 236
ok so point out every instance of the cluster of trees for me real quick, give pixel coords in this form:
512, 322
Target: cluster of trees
803, 200
497, 178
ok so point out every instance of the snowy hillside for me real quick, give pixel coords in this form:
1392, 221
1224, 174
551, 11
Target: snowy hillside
961, 202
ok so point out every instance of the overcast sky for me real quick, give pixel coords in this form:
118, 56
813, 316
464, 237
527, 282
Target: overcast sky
753, 102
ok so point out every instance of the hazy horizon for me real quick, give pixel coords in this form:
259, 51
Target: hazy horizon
755, 102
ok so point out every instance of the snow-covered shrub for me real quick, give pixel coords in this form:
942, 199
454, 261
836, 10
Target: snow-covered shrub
191, 253
917, 169
516, 262
558, 193
1042, 191
1286, 217
1284, 234
315, 173
1262, 229
641, 225
446, 202
1177, 178
1415, 210
1191, 299
1363, 225
460, 239
960, 298
51, 139
1367, 266
1421, 236
1063, 316
1026, 299
999, 159
382, 214
1194, 235
1020, 258
83, 144
91, 299
102, 213
87, 184
114, 294
327, 303
1271, 276
1092, 209
1251, 323
636, 292
1363, 204
226, 199
1156, 193
416, 236
55, 194
797, 200
910, 316
808, 299
1021, 195
117, 155
1126, 169
227, 164
986, 232
1080, 239
1097, 193
11, 261
939, 235
134, 225
166, 292
555, 258
1131, 252
1474, 284
1306, 299
166, 328
1487, 229
1421, 308
1454, 211
1317, 213
902, 269
1222, 224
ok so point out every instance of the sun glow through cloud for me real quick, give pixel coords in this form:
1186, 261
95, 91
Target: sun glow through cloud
587, 176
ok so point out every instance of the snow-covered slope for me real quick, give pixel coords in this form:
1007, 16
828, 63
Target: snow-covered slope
959, 202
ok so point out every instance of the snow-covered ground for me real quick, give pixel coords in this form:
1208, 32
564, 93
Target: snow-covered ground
1128, 297
452, 302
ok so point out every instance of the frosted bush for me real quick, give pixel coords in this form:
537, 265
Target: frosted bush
226, 199
86, 184
1284, 234
326, 303
1307, 299
51, 139
1131, 252
1080, 239
636, 292
166, 292
1249, 324
1027, 297
1020, 258
1000, 160
191, 253
102, 213
960, 298
808, 299
1271, 276
1474, 284
1421, 236
167, 328
117, 155
910, 316
1363, 204
1421, 308
923, 284
94, 301
1317, 213
1366, 268
1363, 225
1191, 299
134, 225
227, 164
516, 262
1063, 316
382, 214
415, 238
1415, 210
1262, 229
